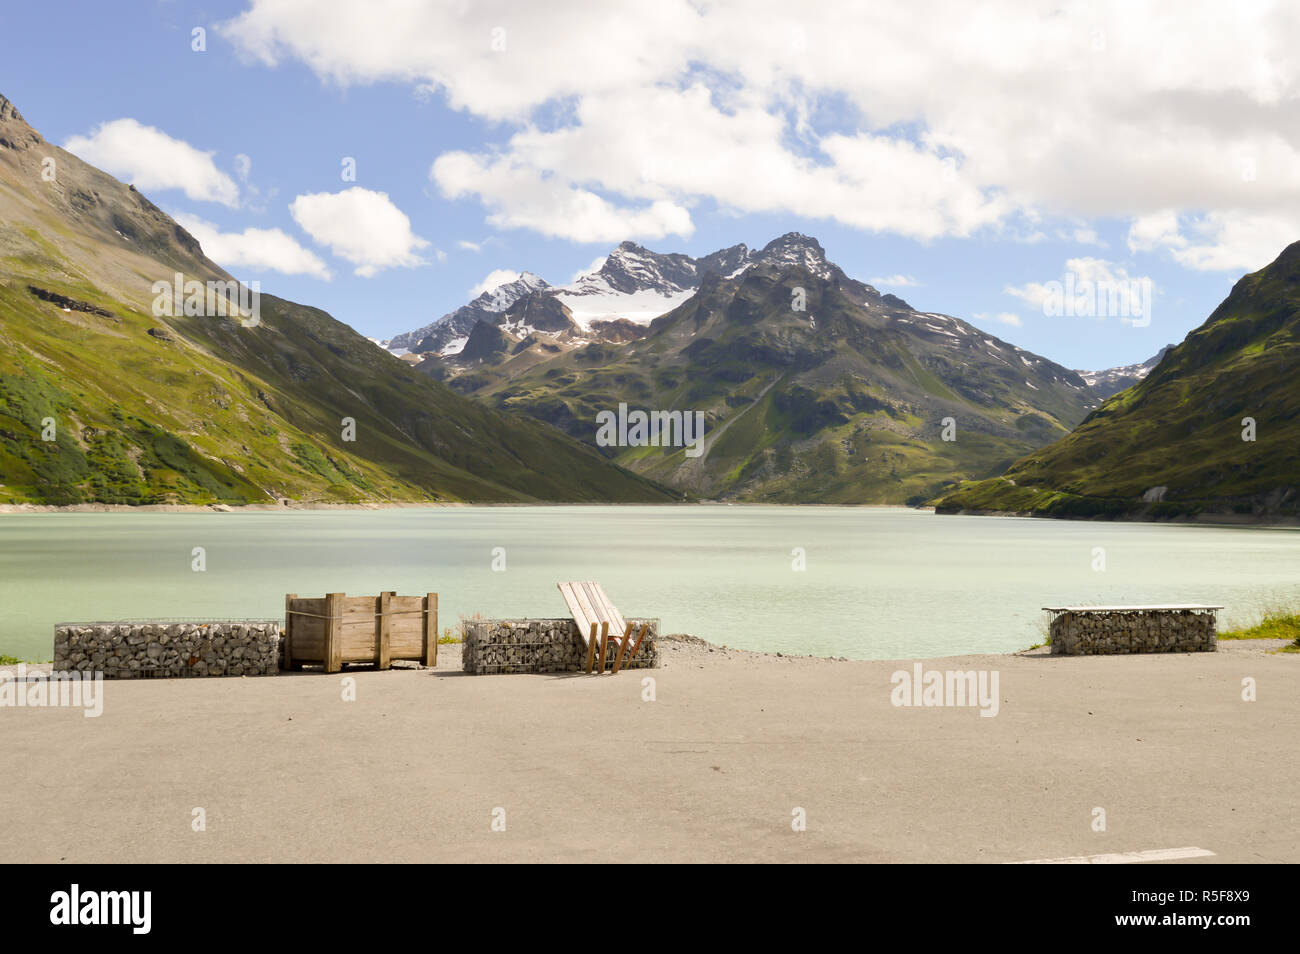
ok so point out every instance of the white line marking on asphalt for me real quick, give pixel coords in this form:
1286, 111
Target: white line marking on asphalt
1124, 857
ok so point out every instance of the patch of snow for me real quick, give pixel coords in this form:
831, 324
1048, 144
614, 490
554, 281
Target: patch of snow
596, 301
503, 296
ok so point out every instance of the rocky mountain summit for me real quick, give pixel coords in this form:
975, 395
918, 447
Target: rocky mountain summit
632, 286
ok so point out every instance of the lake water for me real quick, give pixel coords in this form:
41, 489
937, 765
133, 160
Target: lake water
879, 583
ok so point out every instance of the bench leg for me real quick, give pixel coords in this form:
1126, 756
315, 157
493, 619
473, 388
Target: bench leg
622, 648
591, 649
604, 644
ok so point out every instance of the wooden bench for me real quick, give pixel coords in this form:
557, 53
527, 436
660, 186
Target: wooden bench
596, 616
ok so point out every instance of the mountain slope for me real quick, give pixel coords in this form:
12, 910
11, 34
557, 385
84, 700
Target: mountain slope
841, 401
1172, 445
196, 408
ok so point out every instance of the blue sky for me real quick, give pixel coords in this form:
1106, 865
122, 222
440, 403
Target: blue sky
961, 164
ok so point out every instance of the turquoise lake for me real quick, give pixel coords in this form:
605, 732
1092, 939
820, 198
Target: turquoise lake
879, 583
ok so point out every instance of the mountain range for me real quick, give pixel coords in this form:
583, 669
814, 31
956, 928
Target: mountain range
632, 287
814, 386
106, 397
809, 385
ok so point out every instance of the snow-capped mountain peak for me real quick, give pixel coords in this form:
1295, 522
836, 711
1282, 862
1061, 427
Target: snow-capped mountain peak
631, 268
632, 282
503, 296
1113, 380
449, 333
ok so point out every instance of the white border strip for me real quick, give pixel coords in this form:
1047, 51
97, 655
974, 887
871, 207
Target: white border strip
1124, 857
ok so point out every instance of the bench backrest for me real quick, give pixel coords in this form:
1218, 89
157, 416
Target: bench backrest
588, 604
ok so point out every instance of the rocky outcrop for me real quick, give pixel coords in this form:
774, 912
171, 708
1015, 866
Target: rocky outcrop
71, 304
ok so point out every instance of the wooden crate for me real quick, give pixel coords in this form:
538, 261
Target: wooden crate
338, 629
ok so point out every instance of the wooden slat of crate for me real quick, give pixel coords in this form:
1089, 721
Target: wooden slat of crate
430, 628
360, 638
406, 627
307, 629
359, 605
383, 630
333, 660
359, 628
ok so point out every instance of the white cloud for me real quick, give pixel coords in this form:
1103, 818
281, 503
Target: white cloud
466, 245
595, 266
258, 249
243, 166
867, 115
684, 146
1095, 288
1217, 241
519, 195
894, 281
151, 160
494, 279
1155, 230
360, 226
1084, 236
550, 50
1094, 270
1002, 318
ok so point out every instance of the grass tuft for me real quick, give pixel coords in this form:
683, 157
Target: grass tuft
1273, 626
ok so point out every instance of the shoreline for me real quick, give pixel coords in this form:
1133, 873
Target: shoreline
29, 508
1200, 519
688, 646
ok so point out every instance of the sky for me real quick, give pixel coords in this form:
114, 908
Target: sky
385, 160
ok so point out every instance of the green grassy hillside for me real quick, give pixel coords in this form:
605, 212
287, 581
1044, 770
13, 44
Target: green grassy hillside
1172, 445
201, 409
